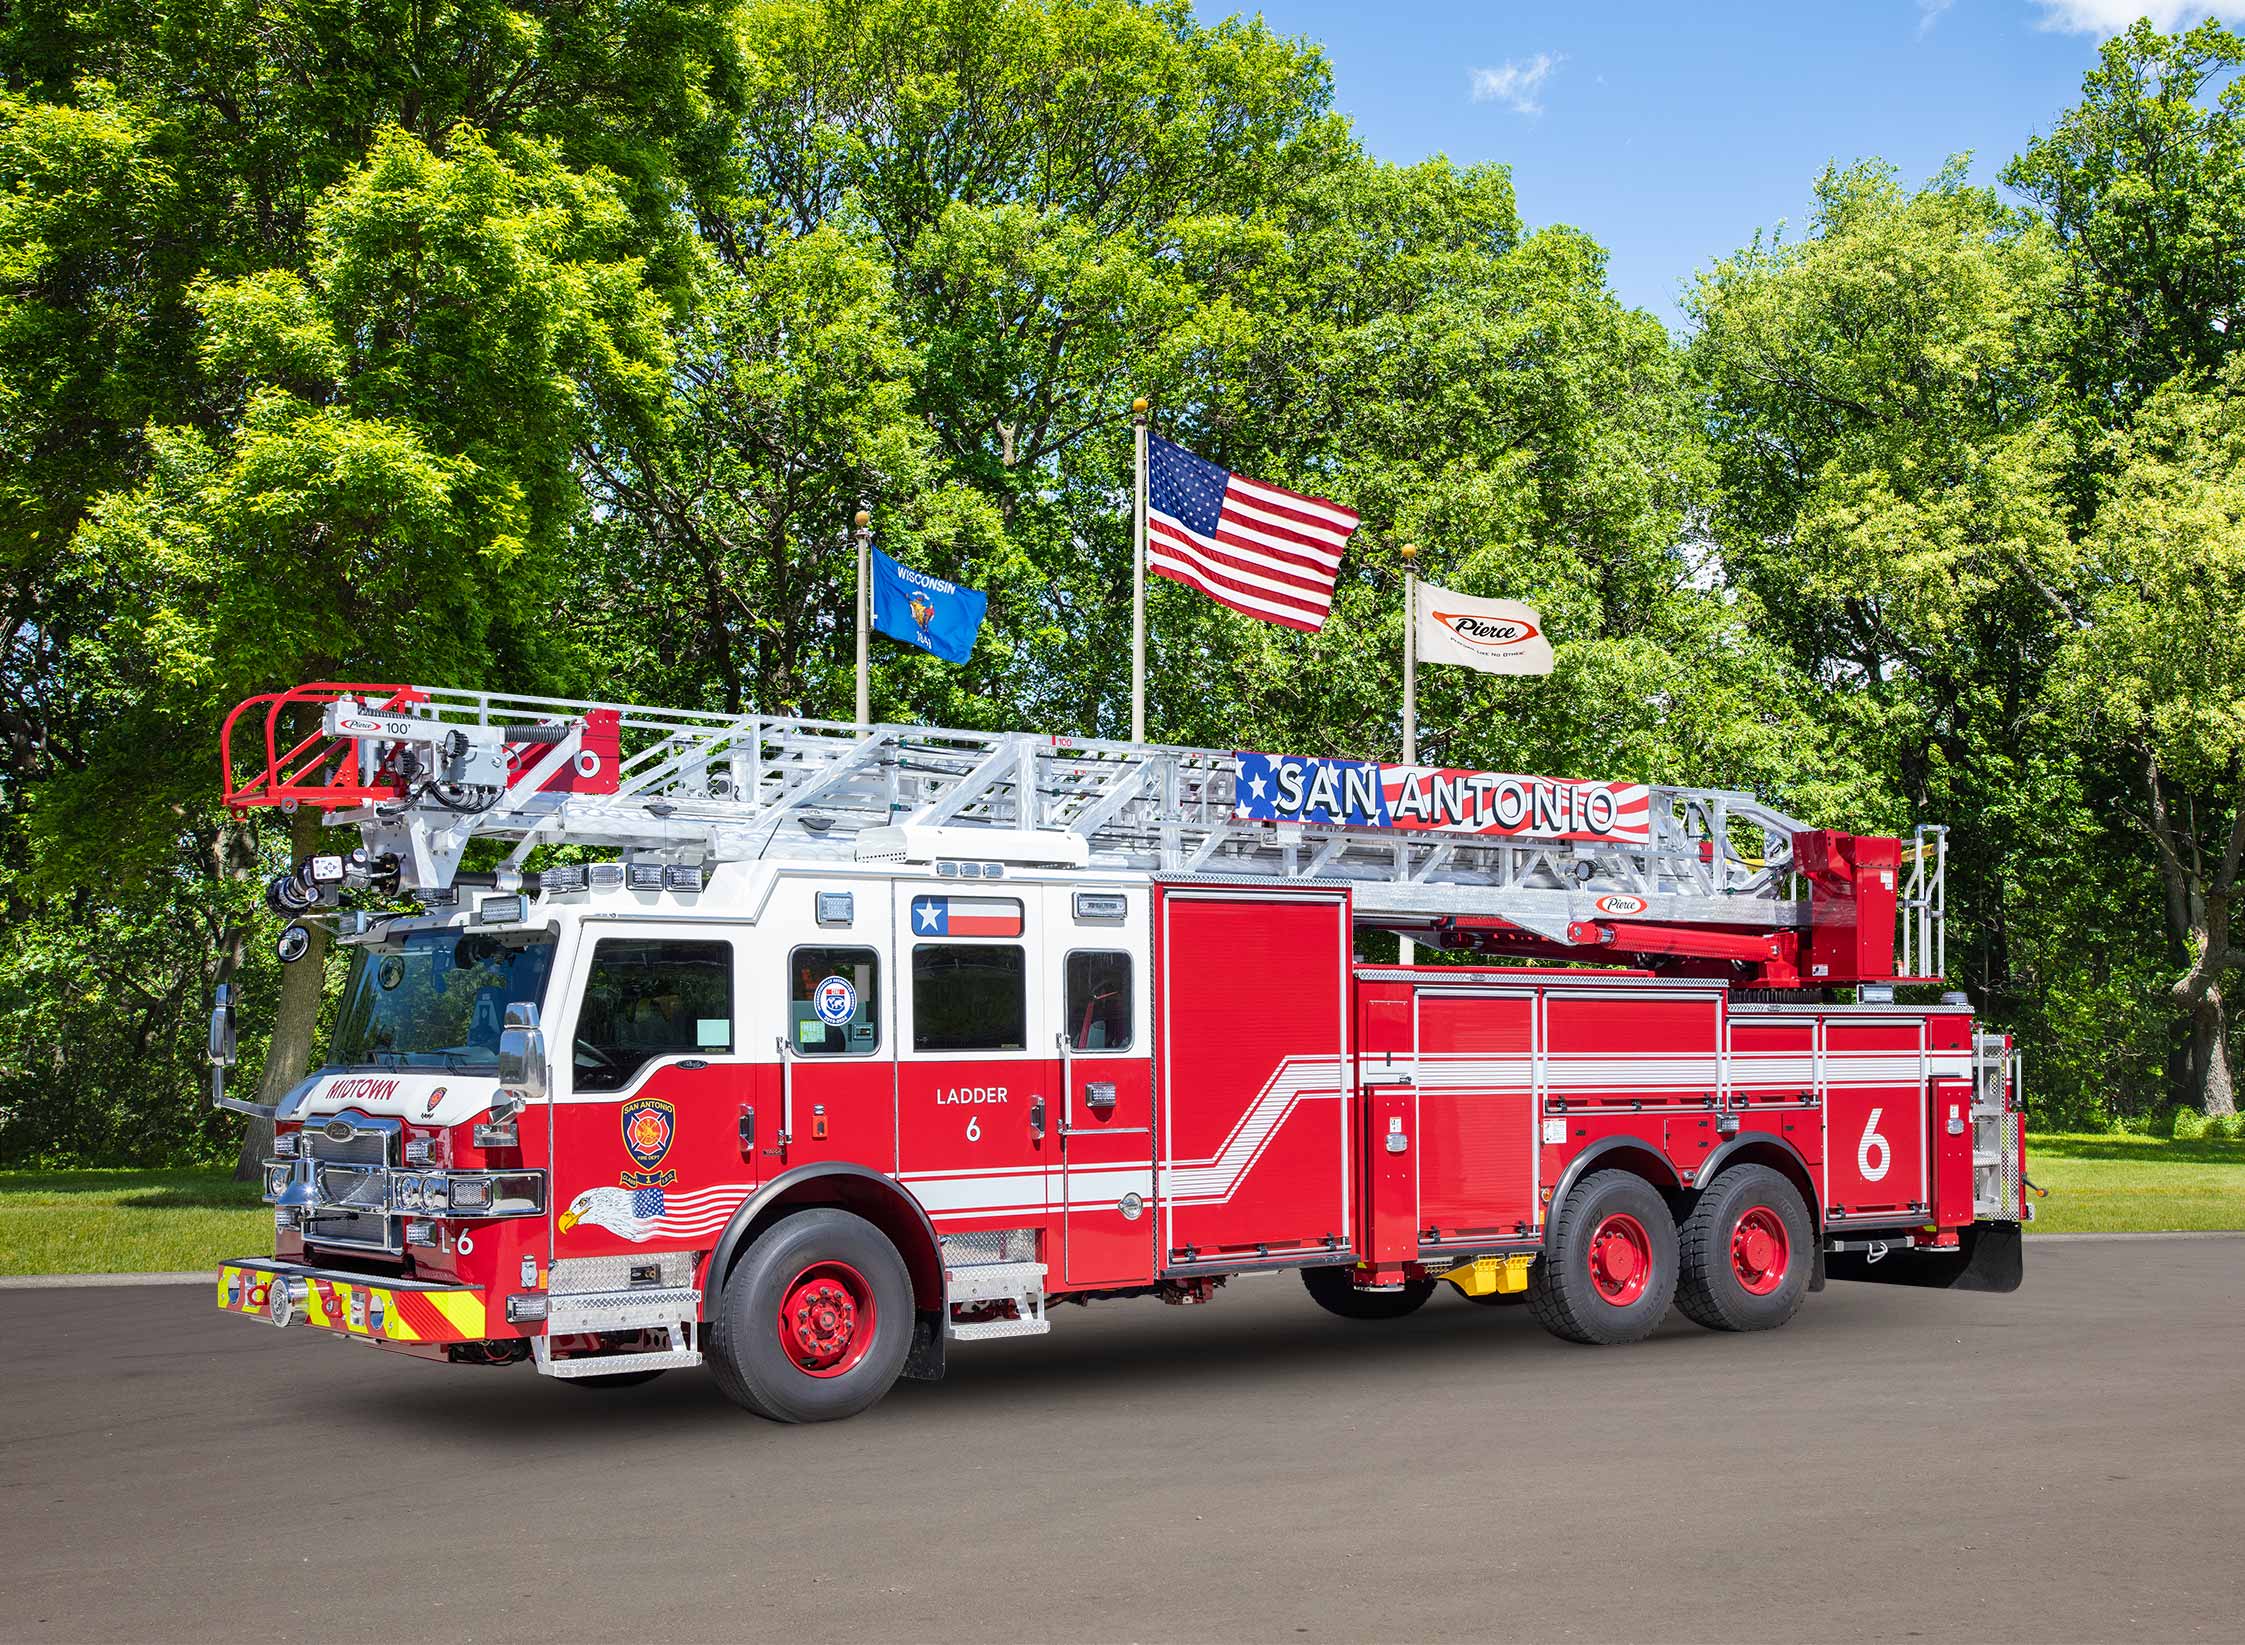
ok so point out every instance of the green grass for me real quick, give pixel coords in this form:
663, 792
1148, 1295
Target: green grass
120, 1222
2114, 1184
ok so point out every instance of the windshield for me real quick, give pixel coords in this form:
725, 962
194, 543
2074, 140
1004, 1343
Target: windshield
437, 999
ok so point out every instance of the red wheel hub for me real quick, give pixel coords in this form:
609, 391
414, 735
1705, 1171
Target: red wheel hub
1621, 1259
1760, 1252
826, 1318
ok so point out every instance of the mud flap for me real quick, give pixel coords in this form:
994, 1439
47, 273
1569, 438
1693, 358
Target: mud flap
925, 1362
1989, 1257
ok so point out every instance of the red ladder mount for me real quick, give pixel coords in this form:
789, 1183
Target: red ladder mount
354, 755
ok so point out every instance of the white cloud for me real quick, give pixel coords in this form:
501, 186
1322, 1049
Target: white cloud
1516, 84
1929, 13
2102, 17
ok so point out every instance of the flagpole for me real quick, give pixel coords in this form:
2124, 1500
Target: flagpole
1410, 552
1406, 951
864, 535
1138, 577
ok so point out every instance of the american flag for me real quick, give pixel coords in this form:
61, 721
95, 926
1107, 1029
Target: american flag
1257, 548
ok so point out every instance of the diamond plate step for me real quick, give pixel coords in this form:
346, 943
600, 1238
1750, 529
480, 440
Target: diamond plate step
1020, 1283
977, 1330
631, 1310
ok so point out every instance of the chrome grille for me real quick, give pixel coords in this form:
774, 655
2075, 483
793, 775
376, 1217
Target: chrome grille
363, 1189
363, 1142
370, 1233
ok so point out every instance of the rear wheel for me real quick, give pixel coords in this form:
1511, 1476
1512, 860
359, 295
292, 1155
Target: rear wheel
1610, 1270
1333, 1290
1747, 1249
815, 1320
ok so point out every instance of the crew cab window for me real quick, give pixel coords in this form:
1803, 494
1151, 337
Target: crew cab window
969, 997
1098, 996
650, 997
834, 1002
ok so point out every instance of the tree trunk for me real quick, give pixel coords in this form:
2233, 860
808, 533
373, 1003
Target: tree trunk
2198, 918
303, 985
2217, 1090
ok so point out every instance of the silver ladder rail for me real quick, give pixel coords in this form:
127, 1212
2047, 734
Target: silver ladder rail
712, 788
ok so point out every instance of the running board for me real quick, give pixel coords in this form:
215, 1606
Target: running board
683, 1351
1020, 1283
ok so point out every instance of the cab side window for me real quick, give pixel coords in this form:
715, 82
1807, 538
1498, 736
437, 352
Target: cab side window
834, 1002
969, 997
651, 997
1098, 1000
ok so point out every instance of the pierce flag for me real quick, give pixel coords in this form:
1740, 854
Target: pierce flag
1495, 636
935, 615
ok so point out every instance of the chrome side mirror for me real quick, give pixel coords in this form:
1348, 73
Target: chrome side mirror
222, 1028
522, 1061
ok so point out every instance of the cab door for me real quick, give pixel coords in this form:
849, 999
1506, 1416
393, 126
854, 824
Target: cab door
1105, 1133
836, 1082
649, 1074
976, 1087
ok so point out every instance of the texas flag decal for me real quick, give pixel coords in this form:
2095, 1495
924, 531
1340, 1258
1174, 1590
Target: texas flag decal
965, 917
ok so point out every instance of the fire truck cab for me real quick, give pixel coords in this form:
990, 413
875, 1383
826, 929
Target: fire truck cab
868, 1040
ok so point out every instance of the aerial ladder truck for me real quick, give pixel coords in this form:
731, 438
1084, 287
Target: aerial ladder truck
806, 1050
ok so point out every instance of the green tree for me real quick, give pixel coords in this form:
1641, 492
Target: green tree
2143, 186
2157, 666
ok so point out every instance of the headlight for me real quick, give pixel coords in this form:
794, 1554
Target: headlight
407, 1191
276, 1181
433, 1194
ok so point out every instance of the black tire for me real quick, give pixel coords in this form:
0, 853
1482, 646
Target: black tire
613, 1379
1334, 1291
756, 1369
1575, 1290
1713, 1289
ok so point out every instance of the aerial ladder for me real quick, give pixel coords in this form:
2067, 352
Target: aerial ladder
1713, 882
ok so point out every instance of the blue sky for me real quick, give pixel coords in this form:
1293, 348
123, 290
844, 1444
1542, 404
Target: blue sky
1671, 131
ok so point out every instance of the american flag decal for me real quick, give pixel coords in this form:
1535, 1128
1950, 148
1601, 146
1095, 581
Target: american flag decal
1258, 548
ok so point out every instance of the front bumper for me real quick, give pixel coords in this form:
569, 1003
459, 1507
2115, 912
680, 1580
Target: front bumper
380, 1310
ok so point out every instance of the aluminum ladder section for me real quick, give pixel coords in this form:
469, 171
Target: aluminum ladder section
709, 788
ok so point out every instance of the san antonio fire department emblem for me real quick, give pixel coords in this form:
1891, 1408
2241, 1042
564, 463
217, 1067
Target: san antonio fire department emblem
649, 1124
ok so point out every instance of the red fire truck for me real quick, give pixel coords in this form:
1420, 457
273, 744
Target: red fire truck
808, 1049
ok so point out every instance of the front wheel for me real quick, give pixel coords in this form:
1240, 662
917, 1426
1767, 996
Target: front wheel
1334, 1291
815, 1321
1609, 1272
1747, 1249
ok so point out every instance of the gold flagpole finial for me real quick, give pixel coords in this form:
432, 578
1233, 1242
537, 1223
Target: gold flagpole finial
1138, 409
863, 519
1409, 551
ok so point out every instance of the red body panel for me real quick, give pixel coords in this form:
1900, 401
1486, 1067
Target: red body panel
1255, 1161
1875, 1119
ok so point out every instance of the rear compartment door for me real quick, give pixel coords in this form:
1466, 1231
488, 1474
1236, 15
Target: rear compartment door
1256, 1100
1476, 1140
1874, 1120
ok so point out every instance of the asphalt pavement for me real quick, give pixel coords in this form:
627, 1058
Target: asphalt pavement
2066, 1463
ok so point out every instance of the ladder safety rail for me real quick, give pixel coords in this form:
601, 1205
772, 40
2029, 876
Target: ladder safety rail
423, 772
